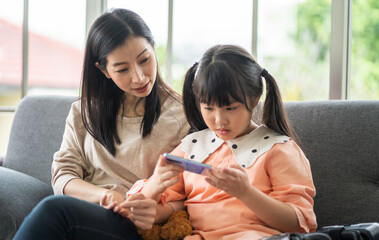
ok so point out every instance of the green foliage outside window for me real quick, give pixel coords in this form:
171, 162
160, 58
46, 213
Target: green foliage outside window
313, 20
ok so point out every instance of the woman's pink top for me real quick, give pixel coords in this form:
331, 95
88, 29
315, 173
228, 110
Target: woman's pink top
275, 165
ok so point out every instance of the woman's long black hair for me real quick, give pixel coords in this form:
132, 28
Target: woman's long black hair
227, 71
101, 99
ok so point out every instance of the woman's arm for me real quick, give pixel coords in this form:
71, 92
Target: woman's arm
86, 191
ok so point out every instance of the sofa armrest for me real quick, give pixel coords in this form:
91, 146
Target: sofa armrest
19, 193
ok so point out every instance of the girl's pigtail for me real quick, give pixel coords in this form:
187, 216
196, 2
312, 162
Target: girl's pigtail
190, 102
274, 114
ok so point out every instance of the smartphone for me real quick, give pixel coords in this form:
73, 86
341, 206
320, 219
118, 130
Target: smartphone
187, 164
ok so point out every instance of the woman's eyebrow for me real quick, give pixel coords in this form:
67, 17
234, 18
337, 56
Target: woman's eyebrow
142, 52
120, 63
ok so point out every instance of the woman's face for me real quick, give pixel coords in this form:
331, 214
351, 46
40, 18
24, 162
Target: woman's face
132, 67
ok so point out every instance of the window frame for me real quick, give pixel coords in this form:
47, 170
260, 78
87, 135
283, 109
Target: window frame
339, 73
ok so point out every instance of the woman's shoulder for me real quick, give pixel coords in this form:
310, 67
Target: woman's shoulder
173, 105
75, 116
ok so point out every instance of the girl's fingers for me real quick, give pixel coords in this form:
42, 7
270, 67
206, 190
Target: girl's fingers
161, 161
138, 203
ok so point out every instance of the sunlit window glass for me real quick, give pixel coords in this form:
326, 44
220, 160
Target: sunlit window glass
364, 69
293, 45
155, 14
56, 46
199, 24
11, 15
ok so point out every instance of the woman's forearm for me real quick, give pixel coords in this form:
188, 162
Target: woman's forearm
83, 190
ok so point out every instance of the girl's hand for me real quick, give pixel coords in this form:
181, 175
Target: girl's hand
142, 210
164, 176
233, 180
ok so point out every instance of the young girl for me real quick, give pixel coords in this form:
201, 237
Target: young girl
261, 182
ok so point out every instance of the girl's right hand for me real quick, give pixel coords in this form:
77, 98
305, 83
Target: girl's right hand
164, 176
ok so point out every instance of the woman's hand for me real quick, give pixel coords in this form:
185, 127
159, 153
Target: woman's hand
233, 180
142, 210
111, 200
164, 176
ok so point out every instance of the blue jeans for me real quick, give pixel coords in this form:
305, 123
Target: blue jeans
64, 217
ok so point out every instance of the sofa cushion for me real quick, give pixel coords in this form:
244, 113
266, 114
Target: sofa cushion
19, 194
341, 140
36, 134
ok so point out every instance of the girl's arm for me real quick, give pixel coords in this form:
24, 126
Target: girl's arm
165, 211
274, 213
277, 214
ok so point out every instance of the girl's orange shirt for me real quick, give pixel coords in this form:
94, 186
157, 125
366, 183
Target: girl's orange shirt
282, 172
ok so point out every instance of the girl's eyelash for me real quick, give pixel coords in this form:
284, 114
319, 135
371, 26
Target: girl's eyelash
122, 70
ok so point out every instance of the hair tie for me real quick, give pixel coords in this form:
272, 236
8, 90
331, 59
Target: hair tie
264, 73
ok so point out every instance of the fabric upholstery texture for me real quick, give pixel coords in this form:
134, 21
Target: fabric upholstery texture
36, 134
19, 193
340, 139
25, 176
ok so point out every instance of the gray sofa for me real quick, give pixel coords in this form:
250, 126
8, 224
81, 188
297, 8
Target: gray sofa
340, 138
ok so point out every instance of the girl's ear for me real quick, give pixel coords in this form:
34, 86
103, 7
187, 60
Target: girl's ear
102, 70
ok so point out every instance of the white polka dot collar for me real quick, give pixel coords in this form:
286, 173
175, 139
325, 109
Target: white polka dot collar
246, 149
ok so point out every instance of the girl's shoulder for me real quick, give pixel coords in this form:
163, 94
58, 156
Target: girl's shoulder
246, 149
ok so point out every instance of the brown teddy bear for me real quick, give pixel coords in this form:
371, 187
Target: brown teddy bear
177, 227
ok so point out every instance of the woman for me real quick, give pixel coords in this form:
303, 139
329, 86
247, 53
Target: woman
126, 117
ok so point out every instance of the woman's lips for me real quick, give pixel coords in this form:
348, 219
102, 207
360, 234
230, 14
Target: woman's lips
142, 89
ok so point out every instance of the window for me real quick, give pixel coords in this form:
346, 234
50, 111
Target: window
364, 78
10, 64
56, 46
10, 52
198, 25
293, 45
291, 39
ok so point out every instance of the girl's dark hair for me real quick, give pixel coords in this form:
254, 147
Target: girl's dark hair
101, 99
227, 71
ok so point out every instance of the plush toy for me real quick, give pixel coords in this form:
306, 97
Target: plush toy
177, 227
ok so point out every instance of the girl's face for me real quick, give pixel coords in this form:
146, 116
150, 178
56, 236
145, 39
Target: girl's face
132, 67
227, 122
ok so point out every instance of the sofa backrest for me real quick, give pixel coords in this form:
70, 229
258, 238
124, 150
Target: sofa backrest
36, 134
341, 140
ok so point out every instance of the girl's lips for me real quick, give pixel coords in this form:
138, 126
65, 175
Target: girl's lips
142, 89
223, 131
